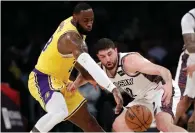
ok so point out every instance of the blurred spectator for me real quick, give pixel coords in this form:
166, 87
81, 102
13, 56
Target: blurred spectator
11, 118
92, 95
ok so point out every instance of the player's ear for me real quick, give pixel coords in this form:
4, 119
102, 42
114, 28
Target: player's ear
97, 55
74, 16
115, 49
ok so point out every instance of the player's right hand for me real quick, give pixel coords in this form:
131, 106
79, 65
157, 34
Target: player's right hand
118, 99
71, 86
190, 69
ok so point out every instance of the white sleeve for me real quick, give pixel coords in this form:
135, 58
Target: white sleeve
187, 24
95, 71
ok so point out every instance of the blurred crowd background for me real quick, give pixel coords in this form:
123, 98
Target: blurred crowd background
151, 28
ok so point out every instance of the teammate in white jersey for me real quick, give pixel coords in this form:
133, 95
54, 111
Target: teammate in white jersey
149, 84
186, 81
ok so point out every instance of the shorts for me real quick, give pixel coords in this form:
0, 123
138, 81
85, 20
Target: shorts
154, 104
186, 84
42, 86
176, 97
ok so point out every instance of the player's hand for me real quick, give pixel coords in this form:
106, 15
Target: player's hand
118, 99
94, 83
190, 69
166, 98
70, 86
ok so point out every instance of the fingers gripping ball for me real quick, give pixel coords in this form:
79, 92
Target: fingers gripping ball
138, 118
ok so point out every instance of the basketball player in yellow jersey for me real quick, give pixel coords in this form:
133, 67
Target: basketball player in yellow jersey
49, 80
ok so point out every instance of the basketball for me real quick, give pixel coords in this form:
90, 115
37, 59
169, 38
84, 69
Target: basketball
138, 118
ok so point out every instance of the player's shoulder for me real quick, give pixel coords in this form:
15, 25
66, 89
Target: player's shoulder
66, 21
188, 16
192, 11
133, 58
129, 58
68, 31
129, 54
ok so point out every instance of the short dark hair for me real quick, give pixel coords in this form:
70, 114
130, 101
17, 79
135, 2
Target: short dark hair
104, 44
81, 6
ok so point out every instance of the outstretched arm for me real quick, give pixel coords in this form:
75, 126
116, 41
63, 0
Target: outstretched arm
136, 62
71, 42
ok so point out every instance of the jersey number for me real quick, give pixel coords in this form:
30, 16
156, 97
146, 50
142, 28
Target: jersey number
61, 26
46, 45
130, 92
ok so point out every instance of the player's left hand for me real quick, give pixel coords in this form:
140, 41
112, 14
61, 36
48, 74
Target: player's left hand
118, 99
190, 69
166, 98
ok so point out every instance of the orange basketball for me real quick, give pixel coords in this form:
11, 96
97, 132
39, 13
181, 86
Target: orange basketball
138, 118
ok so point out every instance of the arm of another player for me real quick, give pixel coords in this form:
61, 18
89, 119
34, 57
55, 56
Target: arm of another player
80, 80
136, 62
71, 42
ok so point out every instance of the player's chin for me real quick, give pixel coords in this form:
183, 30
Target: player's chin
109, 67
89, 30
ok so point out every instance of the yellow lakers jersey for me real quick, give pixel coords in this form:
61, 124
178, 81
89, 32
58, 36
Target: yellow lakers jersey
51, 61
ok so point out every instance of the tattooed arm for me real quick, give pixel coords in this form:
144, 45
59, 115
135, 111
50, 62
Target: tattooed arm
72, 43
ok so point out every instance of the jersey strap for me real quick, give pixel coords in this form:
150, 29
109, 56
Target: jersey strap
192, 15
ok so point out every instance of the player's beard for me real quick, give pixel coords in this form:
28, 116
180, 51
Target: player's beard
81, 30
114, 63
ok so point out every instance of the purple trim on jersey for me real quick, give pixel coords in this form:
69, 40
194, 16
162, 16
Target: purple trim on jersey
183, 74
44, 87
38, 72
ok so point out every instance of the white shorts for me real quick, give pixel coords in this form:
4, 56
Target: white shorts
176, 96
155, 104
186, 84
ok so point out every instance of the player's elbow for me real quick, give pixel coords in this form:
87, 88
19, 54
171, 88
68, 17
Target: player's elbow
167, 71
163, 70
